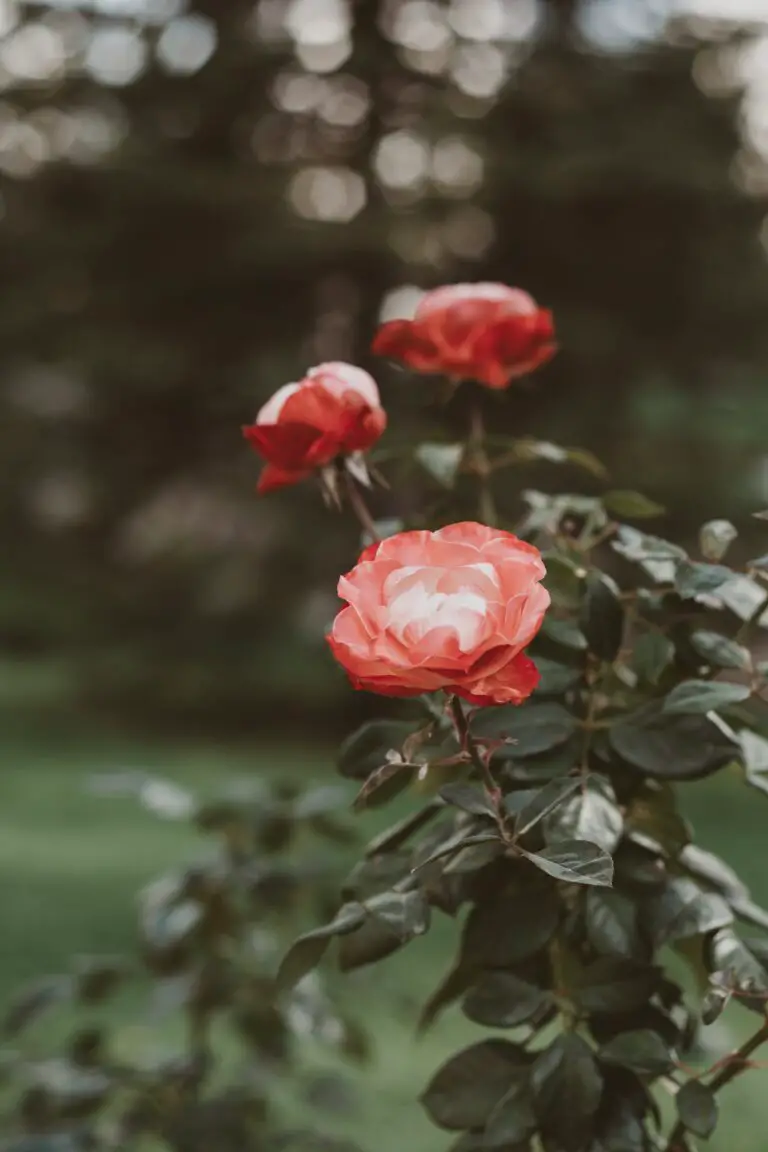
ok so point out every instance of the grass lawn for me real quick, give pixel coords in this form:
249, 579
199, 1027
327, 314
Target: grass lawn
71, 863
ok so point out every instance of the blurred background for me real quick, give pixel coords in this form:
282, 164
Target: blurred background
199, 199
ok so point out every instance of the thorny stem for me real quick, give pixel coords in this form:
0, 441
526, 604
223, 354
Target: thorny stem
360, 508
482, 466
589, 726
732, 1067
479, 762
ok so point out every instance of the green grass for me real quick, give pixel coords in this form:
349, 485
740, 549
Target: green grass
71, 863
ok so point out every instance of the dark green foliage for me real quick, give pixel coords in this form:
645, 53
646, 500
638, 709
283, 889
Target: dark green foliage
197, 936
573, 861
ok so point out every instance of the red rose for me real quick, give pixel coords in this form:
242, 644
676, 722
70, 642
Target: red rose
334, 411
485, 332
450, 610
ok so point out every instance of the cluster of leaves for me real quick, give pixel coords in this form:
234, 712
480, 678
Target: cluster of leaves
208, 935
554, 829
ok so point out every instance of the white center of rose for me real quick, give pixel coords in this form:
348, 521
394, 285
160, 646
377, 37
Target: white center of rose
418, 605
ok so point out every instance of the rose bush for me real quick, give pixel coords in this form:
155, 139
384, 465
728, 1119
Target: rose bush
555, 826
334, 411
450, 610
485, 332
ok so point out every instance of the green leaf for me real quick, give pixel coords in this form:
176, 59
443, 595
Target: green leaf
574, 862
441, 461
726, 953
384, 784
612, 985
467, 798
308, 950
651, 654
567, 1087
556, 678
503, 1000
510, 927
672, 747
653, 812
592, 813
365, 750
564, 580
720, 650
513, 1119
602, 617
715, 538
534, 728
564, 632
682, 910
392, 920
33, 1000
465, 1091
633, 505
697, 1108
714, 872
659, 558
457, 843
611, 923
701, 696
546, 800
692, 579
643, 1051
755, 751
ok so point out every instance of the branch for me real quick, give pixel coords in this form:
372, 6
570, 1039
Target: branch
360, 508
732, 1067
487, 509
479, 762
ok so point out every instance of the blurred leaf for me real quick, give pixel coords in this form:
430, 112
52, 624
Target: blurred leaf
97, 977
615, 985
33, 1000
643, 1051
531, 729
658, 558
602, 617
392, 839
565, 633
501, 932
468, 1087
682, 910
441, 461
365, 750
715, 538
574, 862
633, 505
672, 746
457, 842
567, 1087
556, 678
697, 1108
701, 696
468, 798
612, 923
513, 1119
503, 1000
651, 654
692, 579
320, 801
718, 649
653, 812
714, 872
308, 950
725, 953
592, 813
384, 784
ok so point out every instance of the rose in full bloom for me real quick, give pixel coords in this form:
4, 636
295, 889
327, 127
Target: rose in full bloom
450, 610
484, 332
334, 411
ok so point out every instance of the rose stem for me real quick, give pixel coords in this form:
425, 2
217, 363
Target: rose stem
733, 1067
360, 508
487, 507
479, 762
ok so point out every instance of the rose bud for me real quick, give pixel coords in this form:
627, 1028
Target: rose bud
450, 610
484, 332
333, 412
